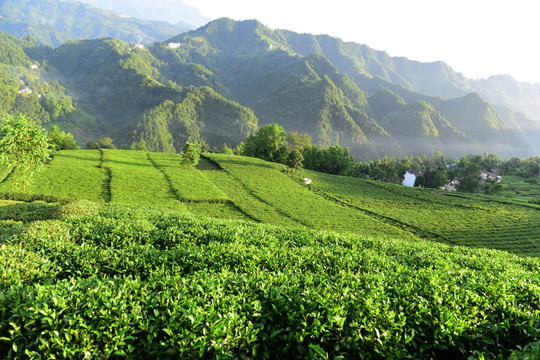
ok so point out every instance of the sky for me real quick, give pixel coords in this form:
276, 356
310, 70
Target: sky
477, 38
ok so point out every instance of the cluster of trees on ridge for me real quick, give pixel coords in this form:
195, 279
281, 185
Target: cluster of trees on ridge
272, 143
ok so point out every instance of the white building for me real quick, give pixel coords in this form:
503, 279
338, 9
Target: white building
410, 178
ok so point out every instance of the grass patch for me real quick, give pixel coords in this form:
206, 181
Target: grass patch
297, 202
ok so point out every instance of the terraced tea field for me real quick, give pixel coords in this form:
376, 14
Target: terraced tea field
250, 189
156, 265
90, 280
440, 215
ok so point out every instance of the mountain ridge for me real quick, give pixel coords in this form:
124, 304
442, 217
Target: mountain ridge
124, 87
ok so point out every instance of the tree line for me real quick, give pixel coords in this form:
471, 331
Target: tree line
273, 143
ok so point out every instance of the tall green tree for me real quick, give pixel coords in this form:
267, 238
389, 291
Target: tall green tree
61, 140
294, 159
191, 154
139, 146
24, 147
469, 177
432, 178
267, 144
106, 143
334, 160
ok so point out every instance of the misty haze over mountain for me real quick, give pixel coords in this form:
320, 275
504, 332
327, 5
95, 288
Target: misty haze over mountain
172, 11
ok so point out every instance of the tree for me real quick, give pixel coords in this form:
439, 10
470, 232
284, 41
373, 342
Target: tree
267, 144
92, 145
106, 143
24, 146
139, 146
191, 154
60, 140
469, 177
297, 141
432, 178
334, 160
294, 159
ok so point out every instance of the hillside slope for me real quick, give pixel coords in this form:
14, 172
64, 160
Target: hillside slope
436, 79
252, 189
86, 279
138, 275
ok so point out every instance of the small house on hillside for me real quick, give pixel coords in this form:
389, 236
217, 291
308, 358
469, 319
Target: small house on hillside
490, 176
451, 186
410, 178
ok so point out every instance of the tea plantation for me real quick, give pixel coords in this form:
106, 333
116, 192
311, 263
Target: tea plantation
243, 261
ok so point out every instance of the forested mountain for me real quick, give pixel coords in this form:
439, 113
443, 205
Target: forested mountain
25, 87
271, 72
54, 22
199, 115
437, 79
216, 84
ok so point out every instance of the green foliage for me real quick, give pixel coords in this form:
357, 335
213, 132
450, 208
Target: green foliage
201, 116
243, 198
24, 147
57, 107
139, 146
105, 143
454, 218
522, 167
297, 141
191, 154
249, 188
60, 140
134, 179
267, 144
432, 178
92, 145
384, 102
11, 52
188, 183
529, 352
70, 174
294, 201
295, 159
111, 281
469, 177
334, 160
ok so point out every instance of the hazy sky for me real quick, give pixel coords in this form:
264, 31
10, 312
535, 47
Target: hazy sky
477, 38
